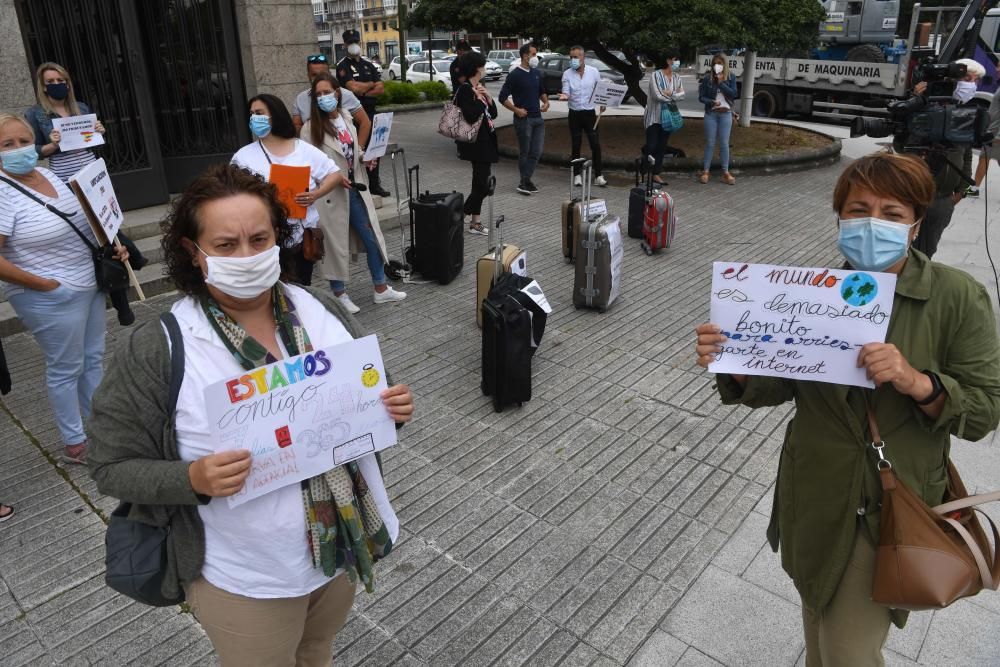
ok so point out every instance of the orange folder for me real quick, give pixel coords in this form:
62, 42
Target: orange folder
290, 181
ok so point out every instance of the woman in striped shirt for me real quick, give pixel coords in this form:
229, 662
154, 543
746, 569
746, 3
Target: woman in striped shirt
54, 90
47, 275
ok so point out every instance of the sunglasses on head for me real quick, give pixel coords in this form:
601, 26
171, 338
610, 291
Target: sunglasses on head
316, 59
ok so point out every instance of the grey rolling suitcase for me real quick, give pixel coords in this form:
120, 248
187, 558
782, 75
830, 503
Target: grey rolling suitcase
598, 255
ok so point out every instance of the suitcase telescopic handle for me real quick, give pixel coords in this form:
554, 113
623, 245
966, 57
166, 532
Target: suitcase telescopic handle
585, 191
415, 169
649, 175
498, 252
491, 187
572, 171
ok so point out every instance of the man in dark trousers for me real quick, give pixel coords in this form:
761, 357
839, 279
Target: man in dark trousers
364, 80
524, 94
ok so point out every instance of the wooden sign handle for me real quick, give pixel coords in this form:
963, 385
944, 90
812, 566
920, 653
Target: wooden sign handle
102, 239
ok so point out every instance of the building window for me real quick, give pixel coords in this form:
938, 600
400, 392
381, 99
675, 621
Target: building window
384, 26
366, 27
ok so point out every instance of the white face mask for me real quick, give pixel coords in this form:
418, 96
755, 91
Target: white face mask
354, 50
533, 62
717, 68
243, 277
965, 91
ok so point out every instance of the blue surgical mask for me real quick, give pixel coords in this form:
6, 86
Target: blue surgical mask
260, 125
19, 161
327, 103
676, 65
57, 91
871, 244
965, 91
574, 63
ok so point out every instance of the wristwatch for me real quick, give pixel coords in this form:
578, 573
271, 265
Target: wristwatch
936, 388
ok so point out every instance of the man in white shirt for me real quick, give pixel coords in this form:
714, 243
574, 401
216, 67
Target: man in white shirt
302, 108
578, 83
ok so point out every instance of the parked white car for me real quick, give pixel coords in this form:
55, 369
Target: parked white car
417, 70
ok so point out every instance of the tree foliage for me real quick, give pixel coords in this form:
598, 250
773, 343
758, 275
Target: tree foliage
634, 26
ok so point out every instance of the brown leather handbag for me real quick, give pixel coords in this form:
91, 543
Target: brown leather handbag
929, 557
312, 244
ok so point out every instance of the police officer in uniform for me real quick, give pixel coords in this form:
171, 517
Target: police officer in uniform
362, 78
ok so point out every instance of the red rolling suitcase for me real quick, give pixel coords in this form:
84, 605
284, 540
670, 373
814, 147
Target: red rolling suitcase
659, 221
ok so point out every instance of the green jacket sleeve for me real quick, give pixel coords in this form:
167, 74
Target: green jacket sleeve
970, 375
132, 448
760, 391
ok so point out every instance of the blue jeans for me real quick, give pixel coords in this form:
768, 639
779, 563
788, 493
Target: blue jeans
69, 326
530, 137
359, 222
717, 125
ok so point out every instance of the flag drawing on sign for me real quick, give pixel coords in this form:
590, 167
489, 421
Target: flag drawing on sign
283, 436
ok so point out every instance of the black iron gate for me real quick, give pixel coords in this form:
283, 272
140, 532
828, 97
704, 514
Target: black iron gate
164, 76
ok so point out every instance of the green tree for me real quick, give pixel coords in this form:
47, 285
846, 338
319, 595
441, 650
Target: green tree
634, 27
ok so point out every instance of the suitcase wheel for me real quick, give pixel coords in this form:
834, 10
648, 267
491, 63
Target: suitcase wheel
569, 260
646, 249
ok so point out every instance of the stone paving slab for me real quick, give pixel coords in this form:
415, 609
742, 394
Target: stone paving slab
617, 518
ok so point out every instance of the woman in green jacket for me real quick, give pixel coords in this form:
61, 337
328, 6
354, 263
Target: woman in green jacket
937, 375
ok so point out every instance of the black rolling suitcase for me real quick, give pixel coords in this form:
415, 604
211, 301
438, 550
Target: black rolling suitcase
437, 244
513, 325
637, 198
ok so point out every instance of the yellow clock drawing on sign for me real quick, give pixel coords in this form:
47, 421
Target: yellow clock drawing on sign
369, 376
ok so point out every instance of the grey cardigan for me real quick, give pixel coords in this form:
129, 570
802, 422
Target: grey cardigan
132, 452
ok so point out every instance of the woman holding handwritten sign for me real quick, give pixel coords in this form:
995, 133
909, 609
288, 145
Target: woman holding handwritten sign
271, 580
56, 99
937, 375
276, 155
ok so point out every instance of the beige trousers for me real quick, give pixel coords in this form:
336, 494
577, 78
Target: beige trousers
852, 630
278, 632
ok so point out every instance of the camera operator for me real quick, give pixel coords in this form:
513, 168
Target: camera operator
949, 185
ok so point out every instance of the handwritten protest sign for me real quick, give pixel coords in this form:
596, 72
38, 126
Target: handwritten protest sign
303, 416
800, 323
380, 136
78, 132
93, 186
608, 94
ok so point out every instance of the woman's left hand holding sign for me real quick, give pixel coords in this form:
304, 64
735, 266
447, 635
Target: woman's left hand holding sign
398, 400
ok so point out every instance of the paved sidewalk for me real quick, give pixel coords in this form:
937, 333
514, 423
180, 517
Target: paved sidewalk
617, 518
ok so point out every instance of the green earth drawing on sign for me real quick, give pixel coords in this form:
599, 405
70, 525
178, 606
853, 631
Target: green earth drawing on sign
859, 289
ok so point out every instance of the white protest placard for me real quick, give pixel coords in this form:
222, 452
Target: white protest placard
78, 132
93, 185
597, 208
799, 323
380, 136
608, 94
303, 416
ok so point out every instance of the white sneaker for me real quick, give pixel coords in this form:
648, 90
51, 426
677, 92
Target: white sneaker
389, 295
348, 304
578, 180
601, 181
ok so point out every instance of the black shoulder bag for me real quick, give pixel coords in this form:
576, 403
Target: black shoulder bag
135, 557
109, 272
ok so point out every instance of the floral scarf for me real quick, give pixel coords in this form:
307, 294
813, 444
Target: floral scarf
345, 528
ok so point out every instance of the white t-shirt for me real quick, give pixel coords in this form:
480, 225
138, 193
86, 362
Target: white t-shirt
344, 137
720, 99
41, 242
259, 549
253, 157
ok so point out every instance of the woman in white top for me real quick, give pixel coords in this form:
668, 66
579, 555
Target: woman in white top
665, 86
347, 217
270, 580
276, 143
48, 277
